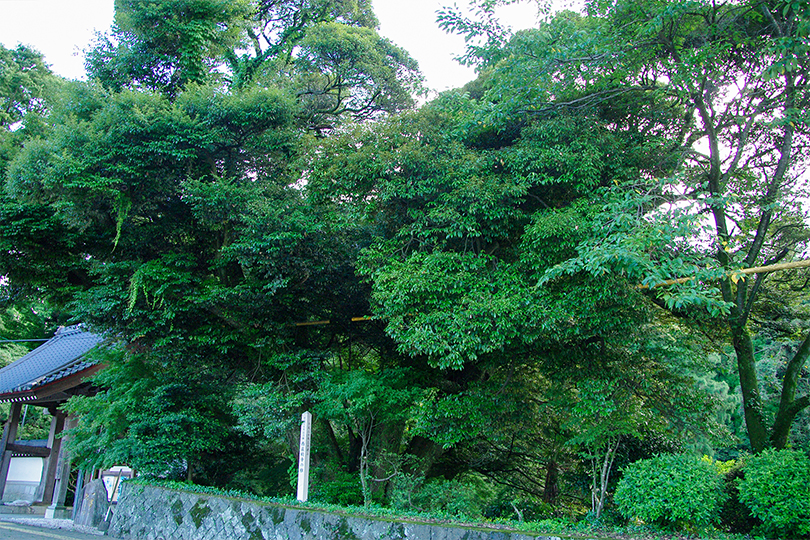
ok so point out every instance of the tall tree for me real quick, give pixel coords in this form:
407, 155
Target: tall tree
173, 205
277, 26
165, 46
328, 50
24, 79
727, 85
470, 211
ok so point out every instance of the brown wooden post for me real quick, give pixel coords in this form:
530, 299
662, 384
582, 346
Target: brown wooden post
9, 436
57, 508
49, 468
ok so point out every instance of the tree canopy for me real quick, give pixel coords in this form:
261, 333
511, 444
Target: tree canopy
245, 199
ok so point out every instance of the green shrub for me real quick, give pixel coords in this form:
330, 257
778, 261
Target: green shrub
671, 490
776, 487
509, 504
334, 486
403, 488
465, 496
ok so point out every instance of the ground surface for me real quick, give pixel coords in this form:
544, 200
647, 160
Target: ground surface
15, 528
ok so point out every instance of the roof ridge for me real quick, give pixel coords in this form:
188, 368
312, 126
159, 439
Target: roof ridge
60, 356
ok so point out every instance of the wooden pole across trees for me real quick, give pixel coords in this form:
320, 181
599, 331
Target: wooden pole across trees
317, 323
735, 273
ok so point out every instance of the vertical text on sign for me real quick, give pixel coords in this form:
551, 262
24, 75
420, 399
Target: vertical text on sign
303, 457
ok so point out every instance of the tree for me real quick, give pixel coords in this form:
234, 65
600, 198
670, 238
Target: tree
366, 403
166, 419
26, 87
24, 79
726, 85
165, 46
470, 215
170, 198
327, 50
21, 318
345, 71
277, 26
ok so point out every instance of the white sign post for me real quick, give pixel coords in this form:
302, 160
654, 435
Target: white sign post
303, 457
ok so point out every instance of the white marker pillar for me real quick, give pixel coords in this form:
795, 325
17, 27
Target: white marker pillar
303, 457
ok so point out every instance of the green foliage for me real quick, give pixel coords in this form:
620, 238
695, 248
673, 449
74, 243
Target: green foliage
666, 75
335, 486
166, 46
346, 70
268, 411
774, 487
22, 316
35, 422
24, 81
467, 207
366, 402
521, 508
265, 475
497, 238
461, 497
674, 490
365, 399
276, 28
162, 419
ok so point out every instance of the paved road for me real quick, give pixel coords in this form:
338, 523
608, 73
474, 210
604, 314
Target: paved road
16, 531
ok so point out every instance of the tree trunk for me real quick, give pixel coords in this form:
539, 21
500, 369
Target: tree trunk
551, 488
355, 450
789, 406
365, 438
330, 434
601, 476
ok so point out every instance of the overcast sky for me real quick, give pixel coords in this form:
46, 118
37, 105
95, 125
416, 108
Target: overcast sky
62, 29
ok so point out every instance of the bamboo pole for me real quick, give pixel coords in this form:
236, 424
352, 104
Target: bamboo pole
316, 323
735, 273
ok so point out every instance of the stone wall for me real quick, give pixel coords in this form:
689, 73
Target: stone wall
154, 513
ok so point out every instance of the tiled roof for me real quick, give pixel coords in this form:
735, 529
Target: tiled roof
59, 357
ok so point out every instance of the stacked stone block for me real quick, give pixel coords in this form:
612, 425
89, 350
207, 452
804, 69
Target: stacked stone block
155, 513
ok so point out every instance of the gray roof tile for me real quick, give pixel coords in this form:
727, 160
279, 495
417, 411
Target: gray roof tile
57, 358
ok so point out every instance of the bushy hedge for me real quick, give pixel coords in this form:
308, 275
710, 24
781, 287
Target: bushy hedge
672, 490
776, 487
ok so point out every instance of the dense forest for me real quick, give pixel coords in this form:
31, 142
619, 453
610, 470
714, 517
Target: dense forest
524, 298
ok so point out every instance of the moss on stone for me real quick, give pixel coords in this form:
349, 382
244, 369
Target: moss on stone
177, 512
252, 528
397, 531
344, 532
277, 514
304, 523
199, 512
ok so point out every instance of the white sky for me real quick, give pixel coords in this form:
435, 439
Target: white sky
62, 29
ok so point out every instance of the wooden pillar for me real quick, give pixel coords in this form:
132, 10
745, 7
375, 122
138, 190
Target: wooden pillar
57, 508
45, 491
9, 436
